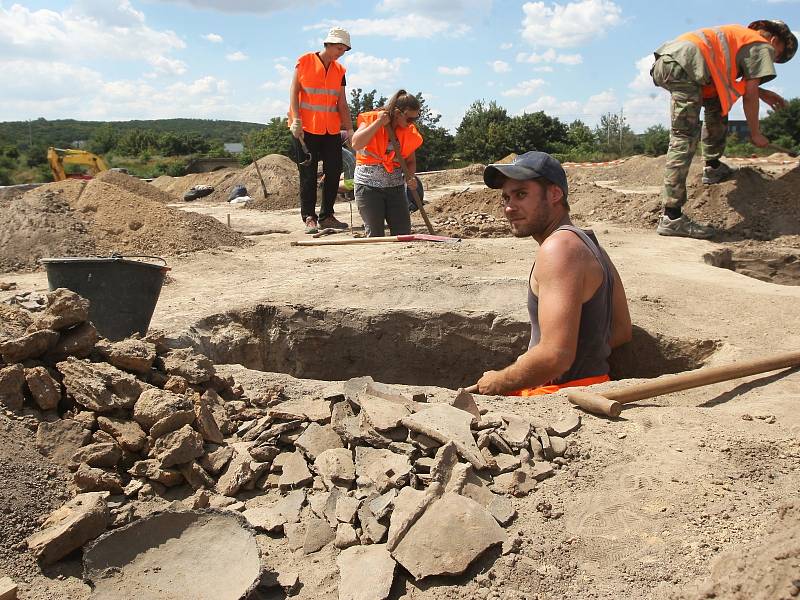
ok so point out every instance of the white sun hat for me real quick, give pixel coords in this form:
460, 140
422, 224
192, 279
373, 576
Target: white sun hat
337, 35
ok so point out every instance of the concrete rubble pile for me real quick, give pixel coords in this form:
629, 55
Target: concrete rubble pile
470, 218
384, 476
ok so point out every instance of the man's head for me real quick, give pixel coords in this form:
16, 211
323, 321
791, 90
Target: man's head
779, 35
534, 191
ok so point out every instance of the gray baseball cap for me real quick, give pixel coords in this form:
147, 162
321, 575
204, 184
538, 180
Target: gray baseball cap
530, 165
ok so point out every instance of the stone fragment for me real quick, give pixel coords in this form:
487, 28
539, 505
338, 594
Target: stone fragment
516, 483
365, 573
12, 384
288, 580
45, 390
81, 519
30, 345
195, 476
132, 355
467, 483
558, 444
64, 309
502, 509
382, 414
193, 367
101, 437
176, 384
446, 423
449, 535
86, 418
346, 536
93, 479
427, 444
353, 429
303, 409
176, 447
318, 535
505, 463
213, 462
355, 386
442, 465
566, 425
60, 439
544, 440
8, 589
206, 424
295, 535
275, 431
372, 531
499, 443
274, 518
517, 431
383, 468
295, 473
346, 508
464, 401
541, 471
316, 439
265, 453
336, 466
382, 505
408, 506
99, 386
424, 464
536, 448
238, 473
152, 470
78, 342
154, 404
98, 455
128, 434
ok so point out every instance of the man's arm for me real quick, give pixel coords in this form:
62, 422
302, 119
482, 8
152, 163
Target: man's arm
750, 103
344, 114
775, 101
621, 328
561, 268
295, 126
411, 163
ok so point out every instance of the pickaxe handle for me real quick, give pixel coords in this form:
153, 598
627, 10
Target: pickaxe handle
610, 403
408, 175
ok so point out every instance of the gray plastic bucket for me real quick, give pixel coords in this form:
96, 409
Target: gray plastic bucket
123, 293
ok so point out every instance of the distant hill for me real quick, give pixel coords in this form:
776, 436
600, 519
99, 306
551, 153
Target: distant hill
63, 132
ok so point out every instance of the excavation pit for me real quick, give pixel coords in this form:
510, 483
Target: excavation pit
772, 266
445, 349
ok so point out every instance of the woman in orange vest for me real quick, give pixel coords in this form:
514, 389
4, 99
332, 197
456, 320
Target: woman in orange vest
318, 111
379, 180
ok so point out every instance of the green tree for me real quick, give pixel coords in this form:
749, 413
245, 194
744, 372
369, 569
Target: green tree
580, 137
364, 102
483, 134
656, 140
614, 135
438, 145
137, 141
275, 138
536, 131
104, 139
782, 126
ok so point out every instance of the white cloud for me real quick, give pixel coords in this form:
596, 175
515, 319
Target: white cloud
566, 110
247, 6
451, 84
452, 8
236, 56
398, 28
364, 70
549, 56
500, 66
506, 46
569, 25
284, 79
545, 69
602, 103
643, 82
455, 71
525, 88
167, 66
214, 38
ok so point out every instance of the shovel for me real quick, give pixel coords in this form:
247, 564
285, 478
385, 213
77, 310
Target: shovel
407, 173
777, 148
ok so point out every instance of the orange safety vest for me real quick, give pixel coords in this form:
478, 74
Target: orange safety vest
319, 94
719, 46
377, 150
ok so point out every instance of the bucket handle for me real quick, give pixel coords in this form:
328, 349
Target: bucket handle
164, 266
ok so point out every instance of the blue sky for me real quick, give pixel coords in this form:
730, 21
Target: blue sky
233, 59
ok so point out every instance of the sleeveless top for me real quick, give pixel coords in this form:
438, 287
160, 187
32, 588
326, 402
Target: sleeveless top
591, 356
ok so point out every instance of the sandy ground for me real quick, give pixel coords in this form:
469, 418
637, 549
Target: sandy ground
688, 495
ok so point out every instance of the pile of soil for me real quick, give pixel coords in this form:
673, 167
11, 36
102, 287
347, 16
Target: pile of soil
474, 212
454, 176
136, 186
280, 176
177, 186
76, 218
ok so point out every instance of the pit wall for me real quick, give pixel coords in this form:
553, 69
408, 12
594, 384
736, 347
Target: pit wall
446, 349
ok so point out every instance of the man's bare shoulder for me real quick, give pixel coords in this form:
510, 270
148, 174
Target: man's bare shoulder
564, 247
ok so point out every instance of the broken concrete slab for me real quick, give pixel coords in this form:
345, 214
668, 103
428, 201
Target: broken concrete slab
336, 466
185, 362
99, 386
316, 439
295, 473
215, 460
465, 401
94, 479
446, 423
176, 447
205, 422
68, 528
203, 555
346, 508
106, 454
128, 434
558, 444
567, 425
318, 535
380, 413
383, 468
60, 439
365, 573
304, 409
237, 474
274, 518
154, 404
171, 422
30, 345
136, 356
346, 536
151, 469
12, 385
78, 342
45, 390
64, 309
8, 589
372, 531
451, 533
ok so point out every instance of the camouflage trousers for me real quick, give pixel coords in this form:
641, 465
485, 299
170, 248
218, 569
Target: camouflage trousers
686, 100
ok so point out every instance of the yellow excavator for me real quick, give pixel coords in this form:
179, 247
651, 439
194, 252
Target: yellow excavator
58, 157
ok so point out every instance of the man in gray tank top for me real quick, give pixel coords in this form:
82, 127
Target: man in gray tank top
576, 301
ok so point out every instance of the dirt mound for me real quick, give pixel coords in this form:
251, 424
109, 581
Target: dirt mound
280, 176
454, 176
136, 186
42, 223
177, 186
469, 213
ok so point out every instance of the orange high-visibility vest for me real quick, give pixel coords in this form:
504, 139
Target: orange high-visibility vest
719, 46
319, 94
377, 151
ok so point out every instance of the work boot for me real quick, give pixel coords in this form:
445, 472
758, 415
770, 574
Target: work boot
332, 222
311, 225
683, 226
713, 175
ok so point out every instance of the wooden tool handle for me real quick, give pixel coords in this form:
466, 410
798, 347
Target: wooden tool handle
346, 241
408, 175
594, 403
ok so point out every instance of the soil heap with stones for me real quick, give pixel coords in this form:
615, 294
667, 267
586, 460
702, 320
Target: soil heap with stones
111, 213
383, 476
